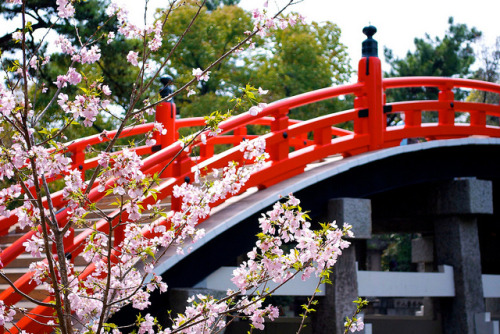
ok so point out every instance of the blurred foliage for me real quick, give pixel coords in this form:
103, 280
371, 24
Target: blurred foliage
295, 60
450, 56
112, 67
397, 255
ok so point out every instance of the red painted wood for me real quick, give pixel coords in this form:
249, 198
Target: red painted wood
370, 133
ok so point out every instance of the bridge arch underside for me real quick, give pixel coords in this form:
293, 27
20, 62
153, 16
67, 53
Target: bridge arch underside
397, 180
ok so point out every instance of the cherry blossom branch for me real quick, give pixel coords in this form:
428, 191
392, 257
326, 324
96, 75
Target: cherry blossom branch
209, 67
307, 309
24, 295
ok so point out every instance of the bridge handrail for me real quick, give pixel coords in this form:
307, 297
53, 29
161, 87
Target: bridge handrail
78, 146
149, 162
449, 83
348, 142
310, 140
285, 105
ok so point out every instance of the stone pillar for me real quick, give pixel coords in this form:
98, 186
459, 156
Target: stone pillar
456, 206
337, 302
422, 253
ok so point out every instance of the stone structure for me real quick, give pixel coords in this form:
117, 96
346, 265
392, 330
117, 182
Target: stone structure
457, 204
337, 302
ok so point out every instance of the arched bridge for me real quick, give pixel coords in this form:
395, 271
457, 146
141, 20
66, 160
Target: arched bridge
316, 158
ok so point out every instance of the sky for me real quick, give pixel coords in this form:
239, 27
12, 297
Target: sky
398, 21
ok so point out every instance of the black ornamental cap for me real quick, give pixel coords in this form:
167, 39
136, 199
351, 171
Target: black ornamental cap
369, 45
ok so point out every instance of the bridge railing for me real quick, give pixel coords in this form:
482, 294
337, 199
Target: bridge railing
284, 163
292, 145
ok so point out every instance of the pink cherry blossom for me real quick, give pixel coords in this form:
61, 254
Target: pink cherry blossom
90, 56
65, 9
18, 35
111, 37
132, 58
255, 110
200, 76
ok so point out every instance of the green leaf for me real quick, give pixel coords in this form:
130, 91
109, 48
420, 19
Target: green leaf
149, 252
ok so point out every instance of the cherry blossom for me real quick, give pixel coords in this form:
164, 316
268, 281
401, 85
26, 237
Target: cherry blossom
65, 45
18, 35
132, 58
200, 76
105, 89
7, 101
88, 56
255, 110
122, 255
111, 37
65, 9
6, 314
72, 77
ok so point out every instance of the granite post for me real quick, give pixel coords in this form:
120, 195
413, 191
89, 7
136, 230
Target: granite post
457, 205
337, 302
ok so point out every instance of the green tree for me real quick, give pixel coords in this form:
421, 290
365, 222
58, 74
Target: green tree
112, 66
489, 58
214, 32
449, 56
302, 58
489, 70
213, 4
293, 61
397, 255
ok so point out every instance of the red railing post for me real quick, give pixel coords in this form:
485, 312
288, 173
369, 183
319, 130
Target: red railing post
78, 159
206, 151
118, 235
370, 103
166, 114
478, 118
279, 151
240, 132
446, 115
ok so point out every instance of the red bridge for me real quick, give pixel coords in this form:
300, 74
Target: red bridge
320, 160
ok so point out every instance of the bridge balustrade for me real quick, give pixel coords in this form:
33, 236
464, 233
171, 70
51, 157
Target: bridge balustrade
289, 143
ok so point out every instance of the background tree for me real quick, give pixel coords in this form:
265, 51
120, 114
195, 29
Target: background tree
449, 56
489, 70
302, 58
112, 65
213, 4
489, 58
216, 32
299, 59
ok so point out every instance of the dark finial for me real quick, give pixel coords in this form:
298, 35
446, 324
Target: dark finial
167, 82
369, 46
369, 31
